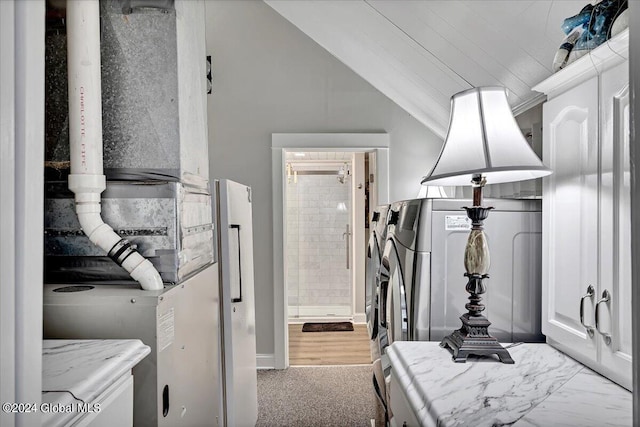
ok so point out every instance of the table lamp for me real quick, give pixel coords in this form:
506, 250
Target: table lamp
483, 144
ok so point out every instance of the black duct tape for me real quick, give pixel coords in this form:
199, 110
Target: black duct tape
142, 174
131, 6
101, 269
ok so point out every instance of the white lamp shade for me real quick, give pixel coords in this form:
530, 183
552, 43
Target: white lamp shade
484, 139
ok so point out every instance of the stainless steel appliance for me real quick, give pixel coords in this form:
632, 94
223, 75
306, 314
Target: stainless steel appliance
238, 350
377, 236
423, 269
177, 384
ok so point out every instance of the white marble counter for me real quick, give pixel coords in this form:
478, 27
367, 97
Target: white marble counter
77, 371
544, 387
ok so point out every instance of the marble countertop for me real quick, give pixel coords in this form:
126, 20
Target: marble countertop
544, 387
77, 371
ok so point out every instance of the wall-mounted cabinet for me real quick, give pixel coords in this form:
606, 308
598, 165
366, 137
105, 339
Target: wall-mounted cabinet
586, 211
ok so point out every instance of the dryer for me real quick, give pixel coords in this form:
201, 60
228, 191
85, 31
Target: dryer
377, 237
381, 362
422, 270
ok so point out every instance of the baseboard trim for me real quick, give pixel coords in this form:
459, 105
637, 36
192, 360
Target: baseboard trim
359, 318
302, 320
319, 311
265, 361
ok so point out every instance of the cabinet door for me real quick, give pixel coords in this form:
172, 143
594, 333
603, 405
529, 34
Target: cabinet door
615, 248
402, 414
570, 219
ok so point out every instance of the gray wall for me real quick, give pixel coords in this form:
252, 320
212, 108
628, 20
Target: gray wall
269, 77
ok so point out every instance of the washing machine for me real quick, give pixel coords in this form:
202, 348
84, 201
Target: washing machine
379, 342
422, 270
377, 237
390, 259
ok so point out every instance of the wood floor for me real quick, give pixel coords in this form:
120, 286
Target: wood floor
329, 348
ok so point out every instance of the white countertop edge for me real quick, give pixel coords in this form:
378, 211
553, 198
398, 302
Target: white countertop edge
412, 393
59, 399
112, 366
64, 418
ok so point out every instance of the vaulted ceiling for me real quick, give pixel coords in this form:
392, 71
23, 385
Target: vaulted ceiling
421, 52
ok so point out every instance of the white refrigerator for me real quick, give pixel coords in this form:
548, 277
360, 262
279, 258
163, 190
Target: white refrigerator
237, 304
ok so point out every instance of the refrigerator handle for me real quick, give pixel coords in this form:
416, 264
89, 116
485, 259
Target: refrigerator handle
239, 298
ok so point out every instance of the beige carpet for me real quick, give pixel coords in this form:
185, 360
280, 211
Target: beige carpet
322, 396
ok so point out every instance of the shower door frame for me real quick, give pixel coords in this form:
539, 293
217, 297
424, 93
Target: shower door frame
334, 274
281, 143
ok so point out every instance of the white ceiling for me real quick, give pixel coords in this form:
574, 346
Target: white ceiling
420, 53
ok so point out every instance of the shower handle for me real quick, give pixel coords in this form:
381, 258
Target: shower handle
347, 236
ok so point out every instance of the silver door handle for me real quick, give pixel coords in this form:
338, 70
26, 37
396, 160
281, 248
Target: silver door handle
347, 234
606, 297
590, 293
239, 297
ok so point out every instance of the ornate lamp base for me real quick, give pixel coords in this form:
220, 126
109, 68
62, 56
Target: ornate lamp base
473, 338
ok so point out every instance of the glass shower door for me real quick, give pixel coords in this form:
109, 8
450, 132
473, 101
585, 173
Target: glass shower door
318, 237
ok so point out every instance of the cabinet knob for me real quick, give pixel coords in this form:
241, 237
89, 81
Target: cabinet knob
606, 297
590, 293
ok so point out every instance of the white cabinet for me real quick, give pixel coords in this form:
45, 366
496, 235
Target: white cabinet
570, 215
116, 406
586, 212
89, 383
402, 414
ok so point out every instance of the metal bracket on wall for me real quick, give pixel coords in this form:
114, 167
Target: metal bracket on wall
209, 76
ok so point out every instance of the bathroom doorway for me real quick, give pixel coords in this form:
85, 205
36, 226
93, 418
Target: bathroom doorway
374, 146
325, 216
320, 217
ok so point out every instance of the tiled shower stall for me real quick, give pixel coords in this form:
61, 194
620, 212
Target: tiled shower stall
318, 212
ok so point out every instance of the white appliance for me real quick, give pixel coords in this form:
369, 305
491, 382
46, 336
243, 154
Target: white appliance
237, 307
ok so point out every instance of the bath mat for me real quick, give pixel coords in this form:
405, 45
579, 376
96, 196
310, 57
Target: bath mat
327, 327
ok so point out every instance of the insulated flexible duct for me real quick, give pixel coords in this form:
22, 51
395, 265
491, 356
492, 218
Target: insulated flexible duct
87, 180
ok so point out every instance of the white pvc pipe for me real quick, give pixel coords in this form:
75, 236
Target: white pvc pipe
87, 180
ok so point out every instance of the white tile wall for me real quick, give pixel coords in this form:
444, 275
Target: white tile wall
316, 250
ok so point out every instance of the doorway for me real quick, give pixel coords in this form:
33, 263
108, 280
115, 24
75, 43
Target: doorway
325, 201
319, 216
284, 145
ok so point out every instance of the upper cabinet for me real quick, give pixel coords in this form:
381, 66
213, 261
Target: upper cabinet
586, 211
570, 218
